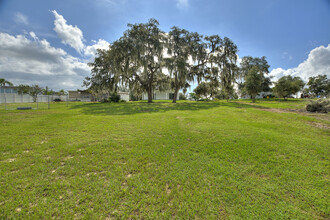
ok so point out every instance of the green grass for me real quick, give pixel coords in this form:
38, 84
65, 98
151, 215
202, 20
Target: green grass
278, 103
204, 160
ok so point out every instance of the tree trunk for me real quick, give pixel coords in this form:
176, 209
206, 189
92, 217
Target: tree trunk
150, 85
253, 99
175, 95
150, 95
176, 88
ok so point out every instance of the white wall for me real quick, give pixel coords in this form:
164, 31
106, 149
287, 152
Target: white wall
159, 95
15, 98
259, 96
124, 96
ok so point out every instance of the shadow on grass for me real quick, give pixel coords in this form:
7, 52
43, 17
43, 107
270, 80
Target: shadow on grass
143, 107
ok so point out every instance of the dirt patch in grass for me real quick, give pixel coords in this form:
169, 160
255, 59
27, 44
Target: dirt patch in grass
10, 160
319, 125
319, 116
278, 110
259, 176
167, 189
322, 116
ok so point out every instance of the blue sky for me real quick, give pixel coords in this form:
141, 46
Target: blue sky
50, 42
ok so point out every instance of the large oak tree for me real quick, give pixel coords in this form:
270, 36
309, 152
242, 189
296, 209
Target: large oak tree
319, 85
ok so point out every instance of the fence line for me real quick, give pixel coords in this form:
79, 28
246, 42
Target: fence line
26, 98
10, 101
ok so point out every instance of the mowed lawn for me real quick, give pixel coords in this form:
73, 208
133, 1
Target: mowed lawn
190, 160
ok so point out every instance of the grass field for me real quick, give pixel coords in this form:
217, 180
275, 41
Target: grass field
202, 160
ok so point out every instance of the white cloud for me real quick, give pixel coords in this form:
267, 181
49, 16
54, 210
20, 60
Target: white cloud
182, 4
317, 63
73, 37
69, 35
286, 55
21, 19
107, 2
32, 61
28, 59
100, 44
34, 36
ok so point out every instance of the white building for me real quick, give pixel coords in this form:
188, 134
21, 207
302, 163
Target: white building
124, 96
259, 96
158, 95
86, 96
8, 89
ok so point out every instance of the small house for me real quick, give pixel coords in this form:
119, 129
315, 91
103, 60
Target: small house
8, 89
80, 95
160, 95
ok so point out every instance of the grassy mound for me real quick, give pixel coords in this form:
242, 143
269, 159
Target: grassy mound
208, 160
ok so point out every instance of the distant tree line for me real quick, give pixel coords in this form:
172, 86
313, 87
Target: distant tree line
138, 60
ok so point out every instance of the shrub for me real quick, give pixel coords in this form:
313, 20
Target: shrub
193, 96
320, 105
182, 96
122, 100
114, 97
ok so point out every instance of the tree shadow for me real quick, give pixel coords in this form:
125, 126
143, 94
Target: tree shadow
131, 108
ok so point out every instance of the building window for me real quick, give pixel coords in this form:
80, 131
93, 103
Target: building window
171, 95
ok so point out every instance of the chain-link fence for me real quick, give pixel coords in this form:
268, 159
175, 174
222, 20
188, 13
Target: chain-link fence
10, 101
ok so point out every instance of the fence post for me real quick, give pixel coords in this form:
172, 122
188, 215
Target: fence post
48, 102
5, 102
37, 102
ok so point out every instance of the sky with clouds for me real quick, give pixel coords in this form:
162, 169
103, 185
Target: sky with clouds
51, 42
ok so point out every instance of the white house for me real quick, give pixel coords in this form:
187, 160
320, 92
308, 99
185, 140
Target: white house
158, 95
259, 96
124, 96
86, 96
8, 89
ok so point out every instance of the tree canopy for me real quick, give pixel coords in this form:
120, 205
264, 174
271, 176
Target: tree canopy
180, 45
288, 85
253, 82
222, 68
134, 60
319, 85
3, 82
139, 58
203, 90
261, 66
